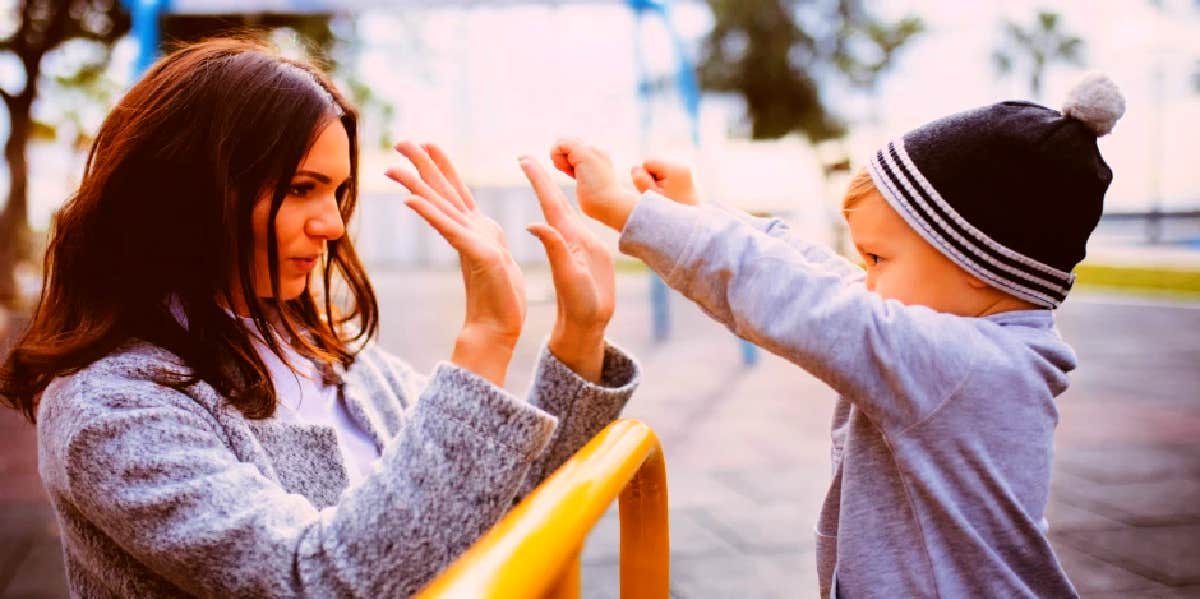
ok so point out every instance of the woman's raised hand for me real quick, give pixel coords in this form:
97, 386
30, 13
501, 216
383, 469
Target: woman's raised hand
582, 269
495, 288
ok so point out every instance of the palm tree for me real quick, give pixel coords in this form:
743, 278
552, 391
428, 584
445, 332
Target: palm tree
1034, 48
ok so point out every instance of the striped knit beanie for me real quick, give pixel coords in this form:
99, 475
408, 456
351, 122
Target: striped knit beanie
1009, 192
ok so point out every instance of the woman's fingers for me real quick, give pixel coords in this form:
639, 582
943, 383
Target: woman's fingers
430, 173
418, 187
554, 205
443, 162
453, 232
562, 263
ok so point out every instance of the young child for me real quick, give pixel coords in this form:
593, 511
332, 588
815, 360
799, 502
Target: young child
944, 351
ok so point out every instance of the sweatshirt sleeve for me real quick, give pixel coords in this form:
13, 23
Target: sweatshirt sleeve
150, 468
813, 252
583, 408
897, 363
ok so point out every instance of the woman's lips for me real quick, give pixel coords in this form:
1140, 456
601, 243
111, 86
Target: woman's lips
305, 264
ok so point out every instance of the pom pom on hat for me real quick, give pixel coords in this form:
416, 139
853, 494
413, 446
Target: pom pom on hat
1096, 101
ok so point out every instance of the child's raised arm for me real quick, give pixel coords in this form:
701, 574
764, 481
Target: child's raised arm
888, 358
597, 188
675, 181
671, 179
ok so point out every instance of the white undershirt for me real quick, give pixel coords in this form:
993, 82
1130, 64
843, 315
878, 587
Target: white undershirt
306, 400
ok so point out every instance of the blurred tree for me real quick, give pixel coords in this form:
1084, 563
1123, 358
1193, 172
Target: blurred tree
41, 27
82, 95
777, 53
878, 56
1033, 48
317, 36
312, 30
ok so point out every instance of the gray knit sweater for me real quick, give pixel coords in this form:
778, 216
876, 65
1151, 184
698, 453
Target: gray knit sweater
163, 493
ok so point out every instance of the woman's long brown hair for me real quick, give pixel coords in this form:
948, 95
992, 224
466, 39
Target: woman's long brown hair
160, 228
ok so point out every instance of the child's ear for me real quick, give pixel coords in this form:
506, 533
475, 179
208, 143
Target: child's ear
975, 283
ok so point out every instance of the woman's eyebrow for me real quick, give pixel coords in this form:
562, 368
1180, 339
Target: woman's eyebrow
322, 178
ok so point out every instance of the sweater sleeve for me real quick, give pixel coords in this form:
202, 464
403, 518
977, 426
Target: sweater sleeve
150, 468
897, 363
583, 408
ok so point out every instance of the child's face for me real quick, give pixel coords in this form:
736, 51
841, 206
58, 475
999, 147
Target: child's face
902, 266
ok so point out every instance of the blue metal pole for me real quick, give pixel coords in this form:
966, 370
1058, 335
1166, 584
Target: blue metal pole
660, 306
689, 92
145, 15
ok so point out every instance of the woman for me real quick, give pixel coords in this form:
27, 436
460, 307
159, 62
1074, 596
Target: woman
210, 423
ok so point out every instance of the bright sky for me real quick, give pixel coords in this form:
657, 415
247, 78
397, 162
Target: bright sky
490, 82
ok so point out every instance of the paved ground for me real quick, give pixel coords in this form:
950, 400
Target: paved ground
747, 449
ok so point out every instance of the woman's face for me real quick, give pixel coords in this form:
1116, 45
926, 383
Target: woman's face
308, 216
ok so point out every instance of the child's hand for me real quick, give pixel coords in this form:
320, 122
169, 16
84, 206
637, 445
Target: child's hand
668, 178
596, 186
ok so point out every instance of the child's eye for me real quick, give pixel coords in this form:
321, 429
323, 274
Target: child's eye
873, 259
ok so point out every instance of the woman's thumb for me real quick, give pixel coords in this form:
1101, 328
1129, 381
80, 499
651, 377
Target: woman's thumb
557, 251
556, 246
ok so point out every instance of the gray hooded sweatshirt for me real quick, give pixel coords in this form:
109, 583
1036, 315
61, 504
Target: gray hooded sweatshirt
942, 435
161, 493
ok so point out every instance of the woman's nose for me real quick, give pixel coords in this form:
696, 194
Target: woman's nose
326, 224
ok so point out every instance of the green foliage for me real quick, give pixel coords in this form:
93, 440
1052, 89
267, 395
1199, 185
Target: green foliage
1179, 281
372, 106
885, 39
777, 54
314, 36
42, 131
82, 95
1036, 46
311, 30
41, 26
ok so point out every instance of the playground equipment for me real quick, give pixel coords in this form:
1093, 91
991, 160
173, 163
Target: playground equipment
534, 550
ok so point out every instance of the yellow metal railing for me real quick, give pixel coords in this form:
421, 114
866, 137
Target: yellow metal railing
534, 550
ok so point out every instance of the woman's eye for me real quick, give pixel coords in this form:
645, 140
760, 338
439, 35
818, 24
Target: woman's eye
299, 190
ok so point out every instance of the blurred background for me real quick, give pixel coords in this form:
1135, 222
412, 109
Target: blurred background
775, 103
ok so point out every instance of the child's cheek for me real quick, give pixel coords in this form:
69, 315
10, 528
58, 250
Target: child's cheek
872, 279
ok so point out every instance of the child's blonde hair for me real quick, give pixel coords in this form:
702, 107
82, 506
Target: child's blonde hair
861, 188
